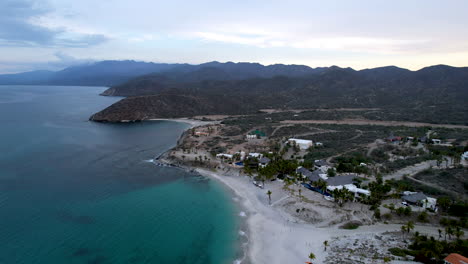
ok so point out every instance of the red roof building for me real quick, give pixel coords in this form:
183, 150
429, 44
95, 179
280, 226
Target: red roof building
455, 258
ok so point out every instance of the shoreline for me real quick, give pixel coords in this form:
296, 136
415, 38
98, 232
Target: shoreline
274, 234
192, 122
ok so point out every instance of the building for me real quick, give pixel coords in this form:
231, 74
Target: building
263, 162
347, 182
393, 139
201, 133
464, 156
436, 141
224, 156
455, 258
420, 199
255, 155
301, 143
312, 176
322, 165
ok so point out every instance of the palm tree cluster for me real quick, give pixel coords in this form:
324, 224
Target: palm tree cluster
342, 196
429, 250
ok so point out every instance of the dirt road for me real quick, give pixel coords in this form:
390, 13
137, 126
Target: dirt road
371, 122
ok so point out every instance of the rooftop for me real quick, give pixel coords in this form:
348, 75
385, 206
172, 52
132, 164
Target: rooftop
455, 258
414, 198
341, 180
300, 141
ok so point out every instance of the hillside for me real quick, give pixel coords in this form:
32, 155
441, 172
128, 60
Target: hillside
433, 94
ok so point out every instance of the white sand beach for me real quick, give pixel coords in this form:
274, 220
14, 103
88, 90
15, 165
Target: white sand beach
276, 236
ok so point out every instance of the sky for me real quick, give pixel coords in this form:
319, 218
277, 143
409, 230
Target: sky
54, 34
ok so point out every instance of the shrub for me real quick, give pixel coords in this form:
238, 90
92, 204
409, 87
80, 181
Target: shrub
397, 252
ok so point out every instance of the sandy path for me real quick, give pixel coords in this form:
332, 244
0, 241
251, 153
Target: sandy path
371, 122
191, 122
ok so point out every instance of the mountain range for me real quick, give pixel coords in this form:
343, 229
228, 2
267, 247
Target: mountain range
158, 90
433, 94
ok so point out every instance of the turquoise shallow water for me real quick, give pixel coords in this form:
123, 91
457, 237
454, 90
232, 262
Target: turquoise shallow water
74, 191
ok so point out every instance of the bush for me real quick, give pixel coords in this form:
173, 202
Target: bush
351, 225
399, 252
422, 217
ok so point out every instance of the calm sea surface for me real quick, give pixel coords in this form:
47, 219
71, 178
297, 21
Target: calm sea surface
74, 191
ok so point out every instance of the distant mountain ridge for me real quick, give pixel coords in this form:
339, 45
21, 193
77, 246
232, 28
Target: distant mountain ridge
103, 73
110, 73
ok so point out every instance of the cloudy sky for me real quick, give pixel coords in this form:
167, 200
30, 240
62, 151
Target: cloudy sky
52, 34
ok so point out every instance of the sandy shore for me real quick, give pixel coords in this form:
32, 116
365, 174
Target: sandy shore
273, 237
276, 236
192, 122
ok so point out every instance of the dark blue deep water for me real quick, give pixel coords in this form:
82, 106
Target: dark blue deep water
74, 191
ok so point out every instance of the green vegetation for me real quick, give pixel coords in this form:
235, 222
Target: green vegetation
351, 225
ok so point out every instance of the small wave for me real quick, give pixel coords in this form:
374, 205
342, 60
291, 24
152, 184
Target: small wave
237, 261
235, 199
242, 233
149, 160
243, 214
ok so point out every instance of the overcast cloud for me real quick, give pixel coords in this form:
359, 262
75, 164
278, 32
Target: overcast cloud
358, 34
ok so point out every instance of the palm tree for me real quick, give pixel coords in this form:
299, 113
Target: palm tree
449, 231
409, 226
403, 230
459, 233
311, 256
269, 196
325, 244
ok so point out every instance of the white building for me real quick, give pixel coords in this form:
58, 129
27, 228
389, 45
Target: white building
251, 136
301, 143
224, 156
255, 155
464, 156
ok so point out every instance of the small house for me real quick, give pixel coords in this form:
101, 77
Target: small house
249, 136
420, 199
201, 133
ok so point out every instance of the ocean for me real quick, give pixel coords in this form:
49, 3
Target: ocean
75, 191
